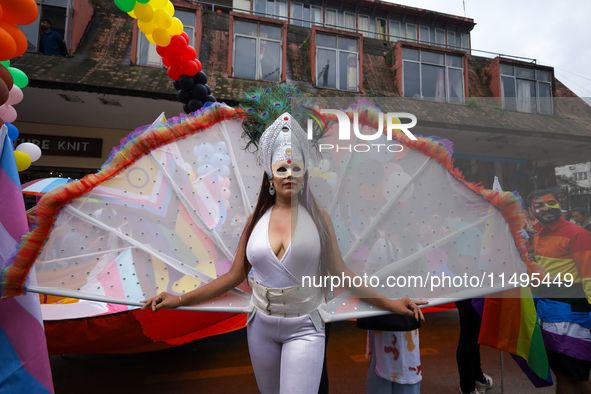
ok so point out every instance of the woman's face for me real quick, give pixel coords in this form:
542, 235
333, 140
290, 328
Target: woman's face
288, 178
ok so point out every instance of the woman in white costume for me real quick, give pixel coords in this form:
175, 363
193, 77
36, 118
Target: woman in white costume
285, 329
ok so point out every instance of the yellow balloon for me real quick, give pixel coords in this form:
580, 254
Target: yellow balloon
144, 12
150, 38
161, 37
393, 120
156, 4
132, 14
169, 8
176, 28
23, 161
162, 18
146, 28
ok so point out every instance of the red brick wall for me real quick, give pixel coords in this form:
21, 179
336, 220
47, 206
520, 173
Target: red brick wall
493, 69
312, 54
198, 29
82, 15
134, 41
397, 66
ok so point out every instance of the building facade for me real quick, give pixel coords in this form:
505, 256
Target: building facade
507, 117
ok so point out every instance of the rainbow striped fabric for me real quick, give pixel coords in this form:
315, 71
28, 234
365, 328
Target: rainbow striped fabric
510, 324
24, 362
565, 312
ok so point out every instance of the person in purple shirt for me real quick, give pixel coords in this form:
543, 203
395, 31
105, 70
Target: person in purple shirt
51, 41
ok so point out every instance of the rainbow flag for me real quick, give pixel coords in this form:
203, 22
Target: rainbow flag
511, 324
24, 362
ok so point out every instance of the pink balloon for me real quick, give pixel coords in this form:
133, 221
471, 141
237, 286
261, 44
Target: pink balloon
2, 110
15, 96
10, 114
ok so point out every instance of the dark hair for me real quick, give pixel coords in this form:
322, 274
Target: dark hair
584, 213
266, 200
539, 193
48, 21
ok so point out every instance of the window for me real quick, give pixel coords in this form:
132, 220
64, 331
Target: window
526, 89
454, 40
271, 8
432, 76
465, 42
380, 29
431, 36
424, 35
411, 32
348, 21
395, 33
439, 37
372, 27
332, 18
364, 25
59, 12
580, 176
337, 62
259, 50
302, 13
146, 51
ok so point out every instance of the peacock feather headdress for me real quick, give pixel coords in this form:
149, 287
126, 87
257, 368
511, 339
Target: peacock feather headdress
264, 105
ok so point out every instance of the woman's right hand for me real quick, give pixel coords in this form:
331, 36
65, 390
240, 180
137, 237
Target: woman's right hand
162, 300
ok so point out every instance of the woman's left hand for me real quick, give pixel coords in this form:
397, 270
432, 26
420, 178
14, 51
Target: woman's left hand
408, 307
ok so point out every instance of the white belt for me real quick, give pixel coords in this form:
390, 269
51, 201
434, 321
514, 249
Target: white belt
287, 302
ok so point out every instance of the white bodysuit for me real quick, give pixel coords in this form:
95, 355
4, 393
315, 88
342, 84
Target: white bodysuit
286, 347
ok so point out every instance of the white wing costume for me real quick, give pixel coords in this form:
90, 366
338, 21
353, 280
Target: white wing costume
167, 210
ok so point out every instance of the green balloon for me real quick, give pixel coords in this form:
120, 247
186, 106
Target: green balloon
5, 63
125, 5
20, 78
143, 1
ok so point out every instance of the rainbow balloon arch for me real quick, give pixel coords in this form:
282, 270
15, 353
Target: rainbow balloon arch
156, 20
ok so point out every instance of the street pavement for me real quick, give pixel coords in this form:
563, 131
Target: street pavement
221, 364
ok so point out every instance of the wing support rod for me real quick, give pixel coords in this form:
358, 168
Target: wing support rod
385, 209
99, 298
462, 295
236, 168
192, 211
179, 266
389, 269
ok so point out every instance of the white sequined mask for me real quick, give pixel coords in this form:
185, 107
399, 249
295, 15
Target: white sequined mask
284, 141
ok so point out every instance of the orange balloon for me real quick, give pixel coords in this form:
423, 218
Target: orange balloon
19, 12
1, 12
18, 37
7, 45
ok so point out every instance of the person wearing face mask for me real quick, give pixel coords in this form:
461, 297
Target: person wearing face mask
563, 250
